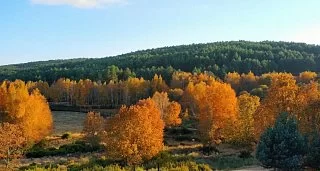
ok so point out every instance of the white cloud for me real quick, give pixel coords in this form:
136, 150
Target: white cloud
80, 3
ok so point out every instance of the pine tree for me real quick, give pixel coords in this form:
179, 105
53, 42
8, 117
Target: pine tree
282, 146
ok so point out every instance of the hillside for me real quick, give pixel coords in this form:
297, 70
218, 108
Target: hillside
219, 58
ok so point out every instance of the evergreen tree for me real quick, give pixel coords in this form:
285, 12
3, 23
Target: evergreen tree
282, 146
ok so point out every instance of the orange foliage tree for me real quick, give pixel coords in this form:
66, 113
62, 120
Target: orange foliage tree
11, 142
233, 78
307, 76
281, 97
135, 134
30, 111
93, 127
170, 111
308, 114
217, 104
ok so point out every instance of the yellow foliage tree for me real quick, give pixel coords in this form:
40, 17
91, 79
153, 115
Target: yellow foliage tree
233, 78
135, 134
30, 111
93, 127
11, 142
217, 105
172, 117
281, 97
307, 76
170, 111
248, 104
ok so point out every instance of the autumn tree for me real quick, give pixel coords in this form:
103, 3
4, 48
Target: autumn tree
135, 134
30, 111
93, 127
158, 84
217, 105
281, 97
308, 108
11, 142
169, 111
172, 116
307, 76
248, 81
175, 94
233, 78
248, 104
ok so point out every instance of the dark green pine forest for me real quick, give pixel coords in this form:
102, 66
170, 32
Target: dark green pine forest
218, 58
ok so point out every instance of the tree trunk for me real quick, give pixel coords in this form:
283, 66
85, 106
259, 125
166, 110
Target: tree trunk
8, 159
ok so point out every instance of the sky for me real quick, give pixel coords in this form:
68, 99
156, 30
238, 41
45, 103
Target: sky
37, 30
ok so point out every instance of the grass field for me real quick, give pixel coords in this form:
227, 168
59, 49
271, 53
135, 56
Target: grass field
64, 121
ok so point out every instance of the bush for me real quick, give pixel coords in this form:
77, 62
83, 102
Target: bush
186, 138
282, 146
245, 154
209, 150
66, 136
313, 157
76, 147
232, 162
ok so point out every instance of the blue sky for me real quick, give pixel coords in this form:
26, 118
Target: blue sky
33, 30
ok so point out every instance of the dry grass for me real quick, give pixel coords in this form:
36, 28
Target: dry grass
64, 121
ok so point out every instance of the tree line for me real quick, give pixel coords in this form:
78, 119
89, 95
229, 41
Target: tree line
116, 92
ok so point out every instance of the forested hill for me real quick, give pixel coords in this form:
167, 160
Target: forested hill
219, 58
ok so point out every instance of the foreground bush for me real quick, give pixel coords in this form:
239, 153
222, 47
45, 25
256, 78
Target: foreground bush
77, 147
282, 146
313, 157
183, 166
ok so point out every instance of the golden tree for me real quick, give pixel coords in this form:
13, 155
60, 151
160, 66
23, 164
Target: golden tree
307, 76
248, 105
172, 116
169, 111
11, 142
233, 78
217, 105
135, 134
308, 108
158, 84
281, 97
93, 127
30, 111
248, 81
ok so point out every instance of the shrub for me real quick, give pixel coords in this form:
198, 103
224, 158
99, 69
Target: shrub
66, 136
186, 138
76, 147
312, 159
245, 154
232, 162
282, 146
209, 150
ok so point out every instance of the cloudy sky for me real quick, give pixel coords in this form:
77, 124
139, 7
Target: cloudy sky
33, 30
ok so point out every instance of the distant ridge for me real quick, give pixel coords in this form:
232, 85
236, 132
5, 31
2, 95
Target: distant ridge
218, 58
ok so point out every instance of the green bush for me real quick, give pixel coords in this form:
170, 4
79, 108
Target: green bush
245, 154
66, 136
282, 146
186, 138
76, 147
232, 162
313, 156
